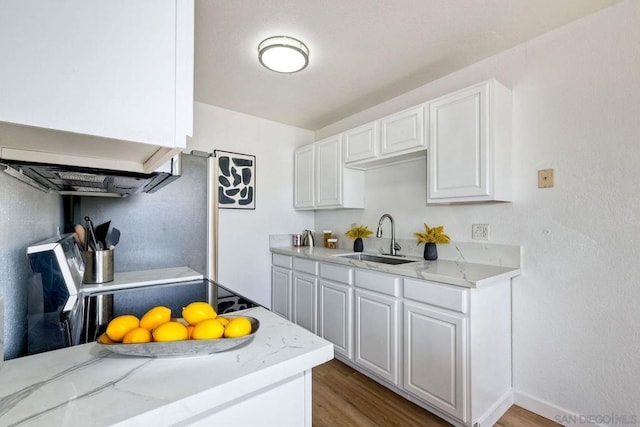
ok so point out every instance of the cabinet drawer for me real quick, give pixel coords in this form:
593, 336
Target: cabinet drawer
282, 260
449, 297
337, 273
305, 265
378, 282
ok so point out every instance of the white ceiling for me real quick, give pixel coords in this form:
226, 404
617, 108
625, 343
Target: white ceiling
362, 52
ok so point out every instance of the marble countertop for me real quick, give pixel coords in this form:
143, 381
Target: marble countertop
457, 273
87, 385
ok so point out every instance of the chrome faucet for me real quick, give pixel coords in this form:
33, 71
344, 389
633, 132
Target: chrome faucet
394, 247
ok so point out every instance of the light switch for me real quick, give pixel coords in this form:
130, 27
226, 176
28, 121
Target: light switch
545, 178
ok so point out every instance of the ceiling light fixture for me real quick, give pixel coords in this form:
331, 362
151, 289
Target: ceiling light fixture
283, 54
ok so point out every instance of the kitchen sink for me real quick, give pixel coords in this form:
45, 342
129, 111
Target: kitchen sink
376, 258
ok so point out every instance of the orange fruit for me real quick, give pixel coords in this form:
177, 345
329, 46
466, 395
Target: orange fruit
170, 331
237, 327
137, 335
119, 326
197, 311
155, 317
207, 329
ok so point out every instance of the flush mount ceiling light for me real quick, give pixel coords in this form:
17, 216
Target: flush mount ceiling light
283, 54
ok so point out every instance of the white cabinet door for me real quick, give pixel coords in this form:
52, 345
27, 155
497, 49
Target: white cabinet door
304, 179
305, 288
402, 131
322, 182
469, 145
435, 358
376, 334
334, 316
361, 143
329, 172
281, 279
121, 70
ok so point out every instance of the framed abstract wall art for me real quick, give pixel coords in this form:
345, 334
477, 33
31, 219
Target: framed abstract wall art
236, 180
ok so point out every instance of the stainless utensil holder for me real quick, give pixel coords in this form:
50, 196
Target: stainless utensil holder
98, 266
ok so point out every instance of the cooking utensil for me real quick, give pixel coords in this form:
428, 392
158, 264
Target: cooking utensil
113, 237
101, 234
92, 243
82, 236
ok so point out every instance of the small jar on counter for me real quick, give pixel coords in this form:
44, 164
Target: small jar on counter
326, 235
332, 243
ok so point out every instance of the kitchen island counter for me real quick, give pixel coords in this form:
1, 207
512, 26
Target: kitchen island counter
90, 386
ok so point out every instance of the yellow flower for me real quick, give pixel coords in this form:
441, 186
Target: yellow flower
358, 231
432, 235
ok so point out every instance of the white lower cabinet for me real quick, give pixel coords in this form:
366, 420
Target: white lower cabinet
281, 279
305, 289
445, 347
376, 334
335, 315
435, 357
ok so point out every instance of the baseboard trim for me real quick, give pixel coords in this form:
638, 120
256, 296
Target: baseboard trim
546, 409
497, 410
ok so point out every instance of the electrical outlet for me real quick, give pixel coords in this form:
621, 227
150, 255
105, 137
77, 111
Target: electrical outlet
480, 231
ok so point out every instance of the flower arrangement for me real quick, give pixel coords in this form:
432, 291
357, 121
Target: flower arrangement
432, 235
358, 232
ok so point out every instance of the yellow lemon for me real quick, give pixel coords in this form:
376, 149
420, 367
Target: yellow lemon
119, 326
198, 311
208, 329
155, 317
190, 329
237, 327
137, 335
104, 339
223, 320
170, 331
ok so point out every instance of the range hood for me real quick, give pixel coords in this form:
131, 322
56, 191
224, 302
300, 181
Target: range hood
84, 181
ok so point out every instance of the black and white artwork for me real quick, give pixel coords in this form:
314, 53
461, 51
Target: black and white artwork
236, 180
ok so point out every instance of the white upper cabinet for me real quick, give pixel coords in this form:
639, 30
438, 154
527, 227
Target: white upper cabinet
329, 172
392, 139
114, 71
303, 169
361, 143
402, 131
321, 180
470, 145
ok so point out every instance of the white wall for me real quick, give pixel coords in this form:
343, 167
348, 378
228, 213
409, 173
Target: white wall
576, 109
244, 260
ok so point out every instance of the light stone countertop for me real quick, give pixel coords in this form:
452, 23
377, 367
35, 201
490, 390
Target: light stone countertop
457, 273
89, 386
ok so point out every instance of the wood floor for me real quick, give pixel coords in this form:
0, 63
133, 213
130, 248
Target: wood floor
343, 397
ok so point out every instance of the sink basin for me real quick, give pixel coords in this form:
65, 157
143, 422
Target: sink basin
376, 258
